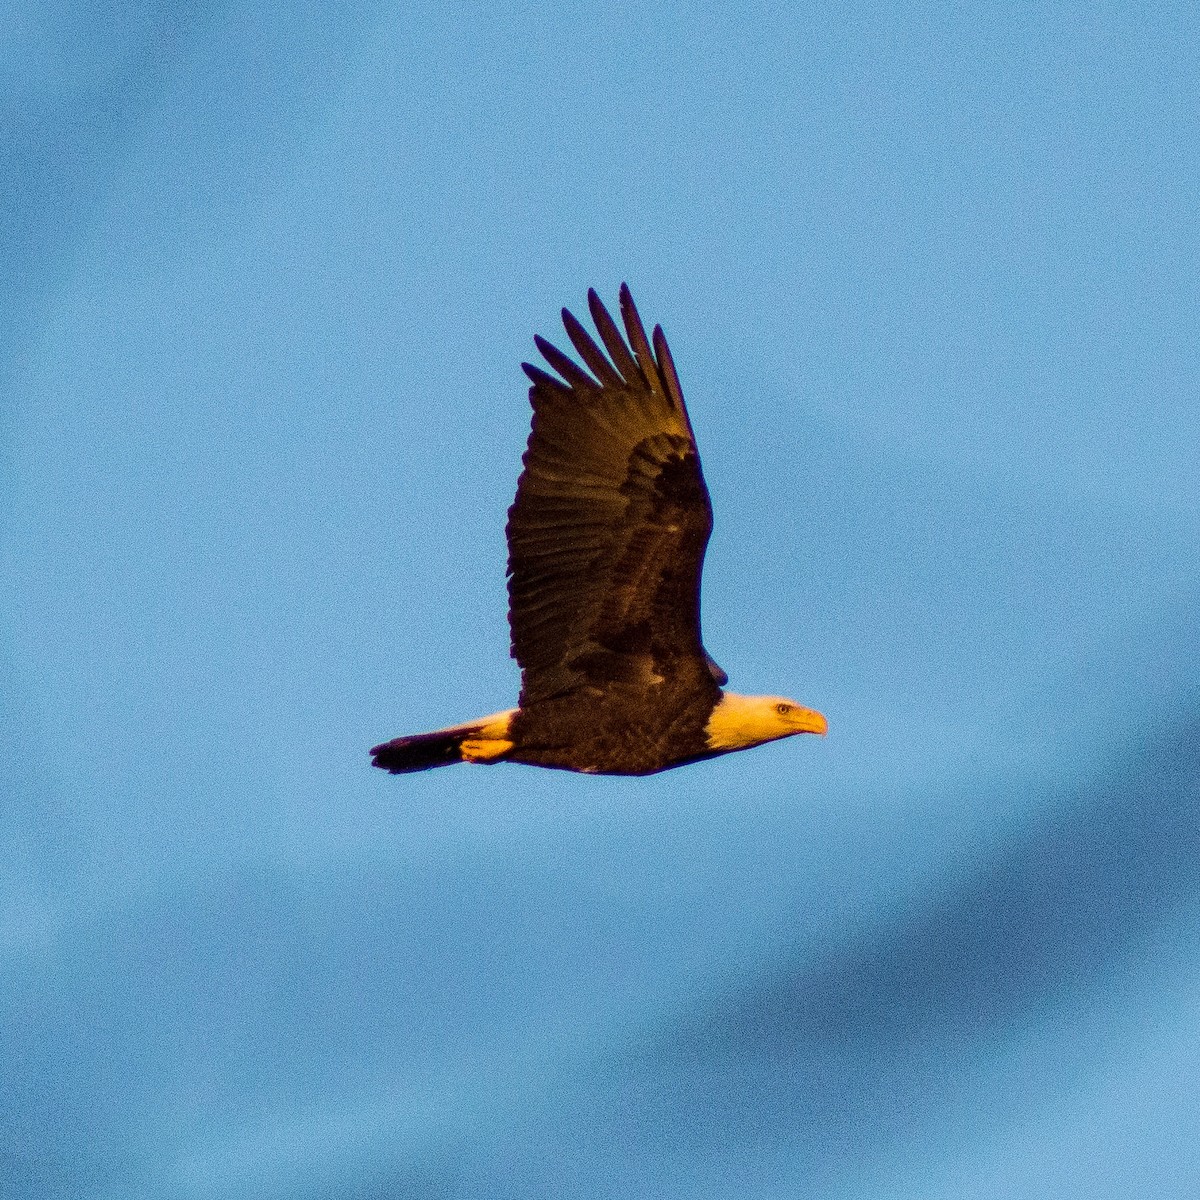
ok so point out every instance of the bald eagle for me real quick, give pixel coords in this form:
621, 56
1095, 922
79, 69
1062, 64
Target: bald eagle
606, 542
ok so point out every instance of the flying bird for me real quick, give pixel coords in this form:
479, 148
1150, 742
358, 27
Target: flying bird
606, 542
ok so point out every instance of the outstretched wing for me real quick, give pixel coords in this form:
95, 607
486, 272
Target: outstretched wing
606, 537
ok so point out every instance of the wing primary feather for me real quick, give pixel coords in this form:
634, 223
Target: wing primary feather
613, 341
542, 379
590, 352
637, 337
666, 366
574, 374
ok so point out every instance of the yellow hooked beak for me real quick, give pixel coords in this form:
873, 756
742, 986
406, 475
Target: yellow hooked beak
808, 720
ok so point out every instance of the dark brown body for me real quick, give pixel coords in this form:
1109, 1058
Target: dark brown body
616, 732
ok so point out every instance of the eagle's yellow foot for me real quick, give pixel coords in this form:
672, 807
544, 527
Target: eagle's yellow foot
484, 750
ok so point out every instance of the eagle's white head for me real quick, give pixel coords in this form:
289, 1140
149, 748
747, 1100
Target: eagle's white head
741, 721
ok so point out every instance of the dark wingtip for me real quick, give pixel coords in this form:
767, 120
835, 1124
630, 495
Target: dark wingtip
624, 362
628, 308
596, 306
543, 382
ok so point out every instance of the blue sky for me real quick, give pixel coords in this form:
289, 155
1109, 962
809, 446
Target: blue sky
929, 278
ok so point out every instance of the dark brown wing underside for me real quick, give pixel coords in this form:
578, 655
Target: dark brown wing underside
609, 527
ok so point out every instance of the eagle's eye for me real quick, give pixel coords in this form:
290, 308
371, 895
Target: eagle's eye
783, 709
